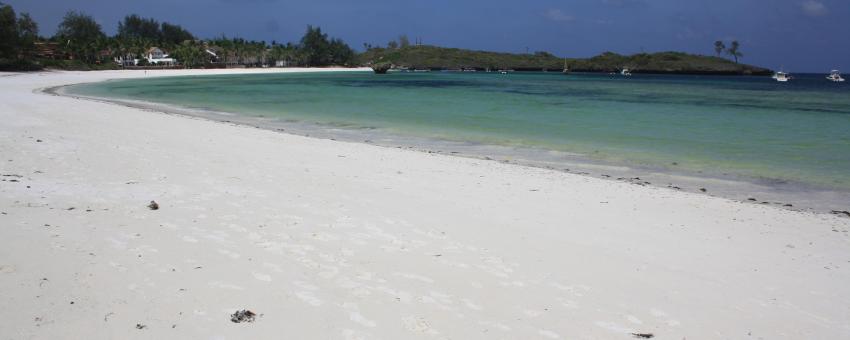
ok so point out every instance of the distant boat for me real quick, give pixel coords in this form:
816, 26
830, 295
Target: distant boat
782, 77
834, 76
566, 68
625, 72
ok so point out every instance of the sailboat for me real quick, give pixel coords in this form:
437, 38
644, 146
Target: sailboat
566, 68
834, 76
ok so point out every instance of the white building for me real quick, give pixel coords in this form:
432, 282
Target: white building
156, 56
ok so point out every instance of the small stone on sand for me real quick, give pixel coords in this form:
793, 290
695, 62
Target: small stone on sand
243, 316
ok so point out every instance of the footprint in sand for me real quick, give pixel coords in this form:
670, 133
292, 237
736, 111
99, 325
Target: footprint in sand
219, 284
614, 327
350, 334
415, 277
354, 315
232, 255
263, 277
500, 326
273, 267
418, 325
237, 228
329, 272
399, 295
117, 244
663, 315
6, 269
571, 304
309, 298
471, 305
549, 334
360, 319
118, 266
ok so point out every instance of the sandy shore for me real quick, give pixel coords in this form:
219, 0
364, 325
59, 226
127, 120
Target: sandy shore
335, 240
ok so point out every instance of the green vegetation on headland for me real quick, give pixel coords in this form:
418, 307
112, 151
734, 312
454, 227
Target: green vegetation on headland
80, 44
439, 58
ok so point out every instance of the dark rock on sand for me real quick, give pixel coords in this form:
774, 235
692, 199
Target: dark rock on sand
153, 206
243, 316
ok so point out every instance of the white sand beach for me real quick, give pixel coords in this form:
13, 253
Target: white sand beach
334, 240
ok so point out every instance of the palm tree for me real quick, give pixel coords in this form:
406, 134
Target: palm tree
719, 47
733, 51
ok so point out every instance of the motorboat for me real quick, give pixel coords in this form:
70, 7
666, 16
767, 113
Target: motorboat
625, 72
835, 76
782, 76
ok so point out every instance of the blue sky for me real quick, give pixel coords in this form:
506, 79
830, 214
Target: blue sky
799, 35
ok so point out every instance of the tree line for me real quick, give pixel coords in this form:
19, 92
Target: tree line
17, 33
80, 37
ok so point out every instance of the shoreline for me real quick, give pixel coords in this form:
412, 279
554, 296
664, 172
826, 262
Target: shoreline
750, 190
345, 240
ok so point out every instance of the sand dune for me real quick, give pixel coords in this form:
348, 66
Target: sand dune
333, 240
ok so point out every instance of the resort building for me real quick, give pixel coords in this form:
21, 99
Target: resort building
158, 57
49, 50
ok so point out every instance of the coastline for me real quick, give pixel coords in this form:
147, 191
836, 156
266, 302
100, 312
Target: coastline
750, 190
331, 239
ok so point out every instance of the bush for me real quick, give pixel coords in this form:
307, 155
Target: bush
18, 65
74, 65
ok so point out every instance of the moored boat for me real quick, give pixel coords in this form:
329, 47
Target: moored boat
835, 76
782, 77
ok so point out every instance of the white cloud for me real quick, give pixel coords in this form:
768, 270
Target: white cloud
558, 15
813, 8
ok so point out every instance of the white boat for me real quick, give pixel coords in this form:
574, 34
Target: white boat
625, 72
782, 76
835, 76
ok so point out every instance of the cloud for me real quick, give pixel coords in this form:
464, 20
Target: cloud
813, 8
558, 15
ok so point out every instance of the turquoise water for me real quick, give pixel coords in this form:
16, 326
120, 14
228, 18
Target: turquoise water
752, 127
